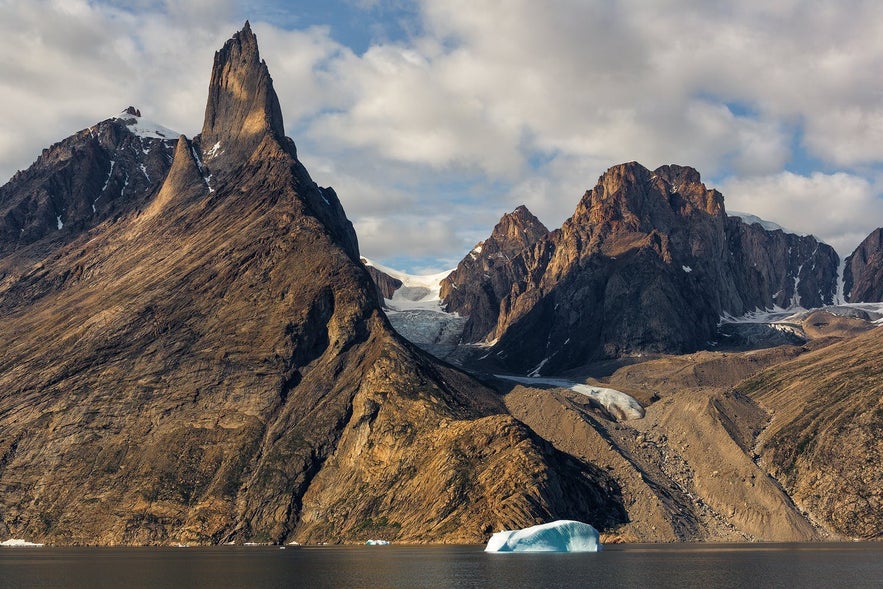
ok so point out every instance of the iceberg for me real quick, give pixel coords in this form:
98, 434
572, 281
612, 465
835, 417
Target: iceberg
377, 543
558, 536
18, 543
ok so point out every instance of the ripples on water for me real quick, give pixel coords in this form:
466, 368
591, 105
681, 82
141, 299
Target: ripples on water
658, 565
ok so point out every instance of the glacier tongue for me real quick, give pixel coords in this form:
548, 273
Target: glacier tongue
415, 311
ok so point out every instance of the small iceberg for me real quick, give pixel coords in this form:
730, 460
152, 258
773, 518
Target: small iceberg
377, 543
558, 536
18, 542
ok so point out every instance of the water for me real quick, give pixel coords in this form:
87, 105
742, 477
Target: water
682, 566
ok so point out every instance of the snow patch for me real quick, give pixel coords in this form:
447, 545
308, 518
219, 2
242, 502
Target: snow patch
377, 543
146, 128
58, 220
750, 219
213, 151
205, 178
557, 536
109, 174
535, 373
619, 405
686, 269
144, 171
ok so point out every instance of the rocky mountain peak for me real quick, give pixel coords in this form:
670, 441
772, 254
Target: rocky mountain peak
131, 110
631, 197
863, 271
242, 106
517, 230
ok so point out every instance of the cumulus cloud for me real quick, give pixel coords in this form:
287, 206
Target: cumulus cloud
481, 106
840, 209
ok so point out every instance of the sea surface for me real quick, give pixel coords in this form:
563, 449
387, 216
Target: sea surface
635, 565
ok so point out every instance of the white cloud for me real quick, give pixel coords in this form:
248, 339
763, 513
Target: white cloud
527, 101
840, 209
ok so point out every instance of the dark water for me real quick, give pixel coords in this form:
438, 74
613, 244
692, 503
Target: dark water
700, 566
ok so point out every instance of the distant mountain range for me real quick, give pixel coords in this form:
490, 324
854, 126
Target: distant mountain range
194, 351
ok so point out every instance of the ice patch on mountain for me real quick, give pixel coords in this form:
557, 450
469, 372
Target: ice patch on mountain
557, 536
768, 225
620, 406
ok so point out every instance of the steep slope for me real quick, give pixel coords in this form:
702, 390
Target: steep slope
486, 275
824, 442
648, 262
100, 172
386, 284
214, 366
863, 270
686, 469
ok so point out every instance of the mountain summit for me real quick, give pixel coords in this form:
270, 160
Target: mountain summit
648, 262
211, 364
242, 105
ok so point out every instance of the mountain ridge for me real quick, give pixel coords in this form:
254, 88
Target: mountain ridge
212, 365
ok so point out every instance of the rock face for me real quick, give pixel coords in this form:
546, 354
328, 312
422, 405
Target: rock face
100, 172
386, 284
648, 262
212, 365
486, 275
863, 272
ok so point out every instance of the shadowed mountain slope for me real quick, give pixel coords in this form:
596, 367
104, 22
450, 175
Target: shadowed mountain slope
212, 365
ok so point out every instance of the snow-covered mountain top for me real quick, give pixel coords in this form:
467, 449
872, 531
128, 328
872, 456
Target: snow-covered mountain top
419, 291
145, 128
768, 225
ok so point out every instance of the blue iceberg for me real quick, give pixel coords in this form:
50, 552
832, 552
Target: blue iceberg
558, 536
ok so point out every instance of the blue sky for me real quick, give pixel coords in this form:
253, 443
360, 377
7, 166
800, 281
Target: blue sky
432, 119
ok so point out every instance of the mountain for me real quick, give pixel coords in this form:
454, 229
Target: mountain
100, 172
863, 270
485, 276
205, 359
824, 440
649, 262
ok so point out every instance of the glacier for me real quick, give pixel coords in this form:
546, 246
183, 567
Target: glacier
558, 536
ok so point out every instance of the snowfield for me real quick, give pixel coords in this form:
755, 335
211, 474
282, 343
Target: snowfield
415, 311
148, 129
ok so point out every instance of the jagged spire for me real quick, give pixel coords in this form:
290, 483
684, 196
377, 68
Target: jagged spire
242, 105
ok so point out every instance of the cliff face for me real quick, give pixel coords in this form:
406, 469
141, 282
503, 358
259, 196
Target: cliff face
863, 272
486, 275
213, 365
96, 174
386, 284
648, 262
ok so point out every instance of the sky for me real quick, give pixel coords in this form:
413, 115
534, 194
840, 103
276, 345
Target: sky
431, 119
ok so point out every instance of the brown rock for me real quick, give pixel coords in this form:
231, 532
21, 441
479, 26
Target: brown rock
486, 275
214, 366
863, 273
648, 262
